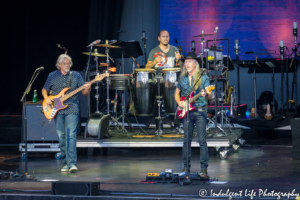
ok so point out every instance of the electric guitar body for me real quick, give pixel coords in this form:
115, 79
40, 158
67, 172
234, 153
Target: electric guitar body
50, 111
57, 104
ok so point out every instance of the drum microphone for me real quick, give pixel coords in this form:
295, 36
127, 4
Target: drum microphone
193, 46
93, 43
143, 36
295, 29
137, 64
40, 69
236, 47
281, 48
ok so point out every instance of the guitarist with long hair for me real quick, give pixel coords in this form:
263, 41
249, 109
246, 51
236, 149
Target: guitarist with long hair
194, 79
66, 120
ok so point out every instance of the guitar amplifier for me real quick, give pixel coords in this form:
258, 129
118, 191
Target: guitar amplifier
38, 127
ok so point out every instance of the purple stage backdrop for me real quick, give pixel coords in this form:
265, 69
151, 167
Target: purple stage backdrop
259, 25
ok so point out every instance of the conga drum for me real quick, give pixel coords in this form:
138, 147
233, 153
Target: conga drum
143, 91
171, 76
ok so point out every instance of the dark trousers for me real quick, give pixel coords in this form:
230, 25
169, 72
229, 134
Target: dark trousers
197, 118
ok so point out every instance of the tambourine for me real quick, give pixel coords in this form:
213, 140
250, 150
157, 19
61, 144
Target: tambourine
162, 55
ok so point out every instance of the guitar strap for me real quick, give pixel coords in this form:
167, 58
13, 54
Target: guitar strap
193, 88
70, 80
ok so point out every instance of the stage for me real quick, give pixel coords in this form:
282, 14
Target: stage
121, 170
263, 162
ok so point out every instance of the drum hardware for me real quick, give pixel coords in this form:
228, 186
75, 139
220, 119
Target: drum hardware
232, 112
159, 101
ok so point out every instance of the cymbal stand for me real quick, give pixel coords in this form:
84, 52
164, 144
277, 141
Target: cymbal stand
123, 103
201, 55
159, 102
107, 86
97, 85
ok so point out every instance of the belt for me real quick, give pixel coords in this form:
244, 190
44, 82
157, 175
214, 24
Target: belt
200, 108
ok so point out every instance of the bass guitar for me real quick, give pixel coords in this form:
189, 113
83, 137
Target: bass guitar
58, 100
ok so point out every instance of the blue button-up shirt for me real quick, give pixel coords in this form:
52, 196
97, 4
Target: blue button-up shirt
56, 81
184, 87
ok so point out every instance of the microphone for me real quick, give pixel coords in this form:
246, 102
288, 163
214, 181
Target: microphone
236, 47
93, 43
137, 64
295, 29
193, 46
40, 69
144, 36
281, 48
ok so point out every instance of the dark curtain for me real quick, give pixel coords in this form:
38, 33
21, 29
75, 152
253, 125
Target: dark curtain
105, 20
31, 31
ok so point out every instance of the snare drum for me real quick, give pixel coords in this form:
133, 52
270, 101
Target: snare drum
119, 81
171, 77
144, 91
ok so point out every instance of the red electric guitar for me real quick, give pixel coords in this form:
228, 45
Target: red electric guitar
182, 110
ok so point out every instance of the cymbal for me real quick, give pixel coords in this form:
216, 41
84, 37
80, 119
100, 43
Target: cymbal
94, 54
202, 35
107, 45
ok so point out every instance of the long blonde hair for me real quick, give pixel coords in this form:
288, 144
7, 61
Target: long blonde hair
197, 74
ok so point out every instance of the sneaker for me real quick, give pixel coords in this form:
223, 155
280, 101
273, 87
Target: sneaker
65, 168
73, 168
203, 174
185, 170
180, 130
161, 132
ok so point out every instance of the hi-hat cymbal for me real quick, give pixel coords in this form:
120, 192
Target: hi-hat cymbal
202, 35
107, 45
94, 54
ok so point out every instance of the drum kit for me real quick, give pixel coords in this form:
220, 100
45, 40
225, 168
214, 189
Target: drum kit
143, 84
146, 86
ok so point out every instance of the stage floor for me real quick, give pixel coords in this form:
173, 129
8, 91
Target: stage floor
121, 170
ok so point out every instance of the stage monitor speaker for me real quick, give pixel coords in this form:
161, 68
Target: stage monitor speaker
75, 188
295, 126
97, 125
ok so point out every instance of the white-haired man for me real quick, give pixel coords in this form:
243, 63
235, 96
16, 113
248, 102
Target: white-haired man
66, 120
193, 79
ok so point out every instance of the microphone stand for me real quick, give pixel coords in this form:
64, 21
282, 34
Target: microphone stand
144, 39
295, 32
23, 100
85, 79
216, 80
236, 48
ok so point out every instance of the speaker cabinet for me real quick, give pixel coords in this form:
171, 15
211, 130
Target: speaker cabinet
75, 188
295, 126
39, 128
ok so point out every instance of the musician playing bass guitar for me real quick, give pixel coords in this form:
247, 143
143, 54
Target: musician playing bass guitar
194, 79
66, 120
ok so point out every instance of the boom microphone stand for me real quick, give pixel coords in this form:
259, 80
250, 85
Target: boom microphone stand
23, 99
